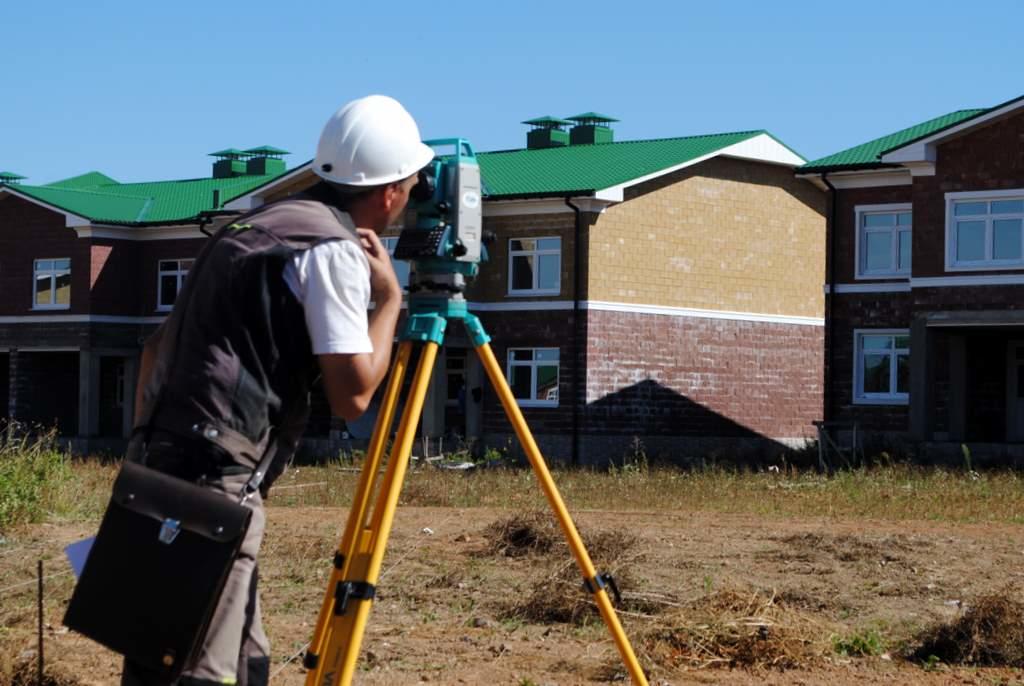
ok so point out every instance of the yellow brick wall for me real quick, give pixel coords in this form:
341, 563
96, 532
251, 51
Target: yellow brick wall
725, 234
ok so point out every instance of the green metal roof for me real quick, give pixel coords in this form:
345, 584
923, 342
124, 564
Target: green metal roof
869, 154
101, 199
584, 168
592, 117
266, 150
10, 176
547, 121
230, 153
88, 180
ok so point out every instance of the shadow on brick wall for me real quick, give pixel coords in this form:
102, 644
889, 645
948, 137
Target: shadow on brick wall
659, 416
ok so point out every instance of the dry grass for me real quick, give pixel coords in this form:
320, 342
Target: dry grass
732, 628
989, 632
560, 595
895, 493
25, 673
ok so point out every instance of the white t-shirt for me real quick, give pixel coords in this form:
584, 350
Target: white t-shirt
332, 281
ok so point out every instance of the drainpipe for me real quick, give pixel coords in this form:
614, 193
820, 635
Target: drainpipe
576, 279
830, 237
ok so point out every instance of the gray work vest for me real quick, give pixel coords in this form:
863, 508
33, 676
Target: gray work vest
235, 364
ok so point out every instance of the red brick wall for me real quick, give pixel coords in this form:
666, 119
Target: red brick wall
655, 374
865, 311
991, 158
150, 254
31, 232
846, 224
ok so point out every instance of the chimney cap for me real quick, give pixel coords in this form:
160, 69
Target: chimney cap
10, 177
592, 118
548, 122
229, 154
266, 151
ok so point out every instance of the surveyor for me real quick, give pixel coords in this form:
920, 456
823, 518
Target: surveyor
275, 298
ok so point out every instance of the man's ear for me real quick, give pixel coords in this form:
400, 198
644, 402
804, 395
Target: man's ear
388, 195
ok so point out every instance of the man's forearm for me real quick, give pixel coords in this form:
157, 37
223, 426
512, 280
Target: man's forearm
382, 321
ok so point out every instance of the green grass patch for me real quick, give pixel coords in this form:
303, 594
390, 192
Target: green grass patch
865, 643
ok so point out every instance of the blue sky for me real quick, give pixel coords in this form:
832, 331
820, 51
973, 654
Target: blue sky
143, 91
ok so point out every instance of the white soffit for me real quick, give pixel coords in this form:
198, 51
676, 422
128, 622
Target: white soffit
924, 150
759, 148
254, 198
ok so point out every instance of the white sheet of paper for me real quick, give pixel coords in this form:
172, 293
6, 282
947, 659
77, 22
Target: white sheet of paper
77, 553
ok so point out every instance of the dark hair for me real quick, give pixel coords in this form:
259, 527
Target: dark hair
338, 195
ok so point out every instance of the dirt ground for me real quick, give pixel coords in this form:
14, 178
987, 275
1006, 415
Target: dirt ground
450, 609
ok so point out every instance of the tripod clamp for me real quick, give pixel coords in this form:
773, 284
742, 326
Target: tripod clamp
601, 581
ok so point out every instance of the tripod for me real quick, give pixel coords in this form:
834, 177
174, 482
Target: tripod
334, 649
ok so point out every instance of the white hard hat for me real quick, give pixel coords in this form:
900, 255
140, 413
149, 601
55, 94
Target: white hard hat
369, 142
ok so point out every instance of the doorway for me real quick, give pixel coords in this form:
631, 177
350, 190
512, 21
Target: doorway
1015, 391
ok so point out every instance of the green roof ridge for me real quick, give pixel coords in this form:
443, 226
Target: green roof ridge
266, 150
86, 180
590, 167
869, 154
592, 116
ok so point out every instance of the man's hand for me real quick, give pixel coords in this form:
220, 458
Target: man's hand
384, 284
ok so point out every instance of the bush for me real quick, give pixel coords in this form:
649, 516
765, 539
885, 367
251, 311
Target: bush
32, 469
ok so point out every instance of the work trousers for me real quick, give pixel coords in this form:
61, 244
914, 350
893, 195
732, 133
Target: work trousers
235, 650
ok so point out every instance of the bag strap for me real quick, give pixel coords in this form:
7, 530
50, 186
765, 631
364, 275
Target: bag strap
253, 484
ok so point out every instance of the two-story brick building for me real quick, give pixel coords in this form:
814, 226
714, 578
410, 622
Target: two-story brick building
88, 267
925, 283
667, 290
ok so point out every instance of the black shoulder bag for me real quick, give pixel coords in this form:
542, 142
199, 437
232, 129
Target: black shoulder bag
158, 566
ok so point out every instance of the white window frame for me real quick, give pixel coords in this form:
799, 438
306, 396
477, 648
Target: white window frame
533, 401
178, 272
53, 274
390, 242
890, 398
860, 211
988, 264
536, 272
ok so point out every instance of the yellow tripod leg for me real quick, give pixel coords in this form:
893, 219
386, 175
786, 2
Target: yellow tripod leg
356, 589
593, 582
357, 514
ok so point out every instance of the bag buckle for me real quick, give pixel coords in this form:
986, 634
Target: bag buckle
169, 531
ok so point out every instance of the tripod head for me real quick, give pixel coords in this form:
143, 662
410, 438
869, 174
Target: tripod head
443, 234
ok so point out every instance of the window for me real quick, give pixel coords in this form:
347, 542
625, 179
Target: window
534, 266
533, 376
171, 276
883, 240
985, 230
882, 370
51, 287
401, 266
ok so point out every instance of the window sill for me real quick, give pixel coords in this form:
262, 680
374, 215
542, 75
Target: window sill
882, 400
536, 403
528, 294
985, 267
904, 276
49, 308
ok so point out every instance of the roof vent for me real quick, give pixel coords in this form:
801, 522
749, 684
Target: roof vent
264, 160
591, 127
230, 162
547, 132
10, 177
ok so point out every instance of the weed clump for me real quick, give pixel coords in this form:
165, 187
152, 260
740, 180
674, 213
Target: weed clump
731, 628
32, 471
990, 632
560, 597
528, 533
